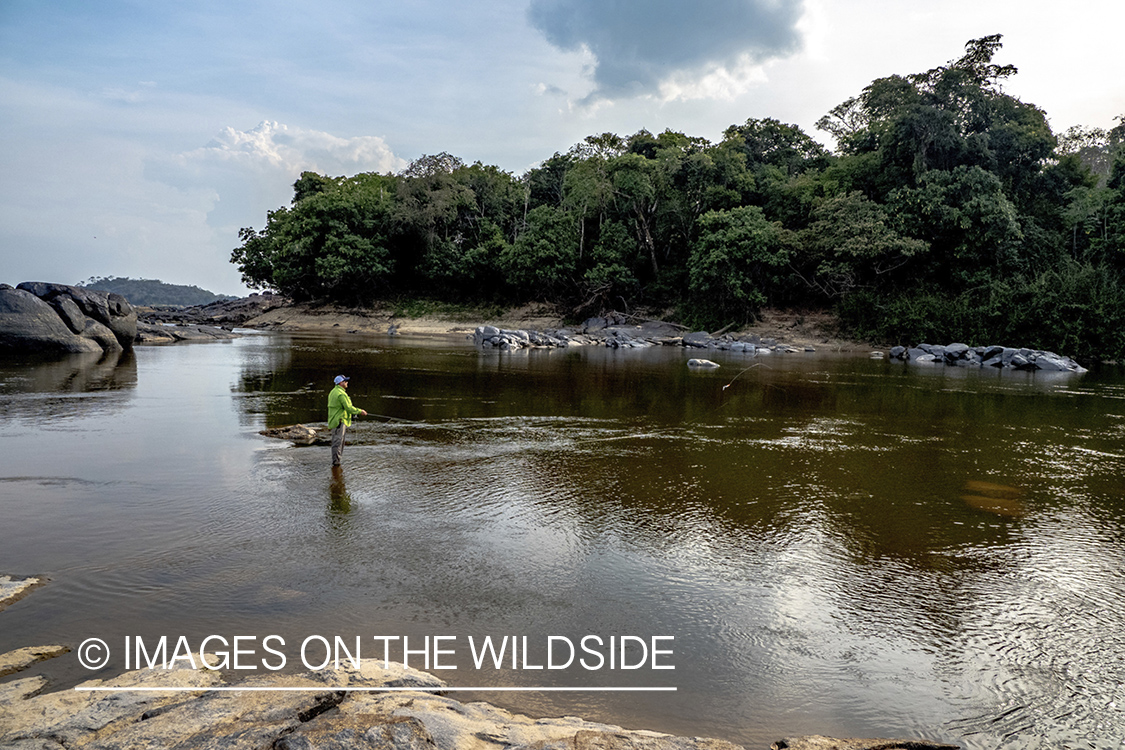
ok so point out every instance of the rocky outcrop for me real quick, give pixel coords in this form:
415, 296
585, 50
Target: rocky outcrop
150, 333
368, 706
221, 314
41, 317
963, 355
349, 707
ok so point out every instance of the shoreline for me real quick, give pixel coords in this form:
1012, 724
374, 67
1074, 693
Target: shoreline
791, 328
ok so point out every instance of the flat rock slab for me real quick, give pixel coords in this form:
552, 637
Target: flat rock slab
22, 658
13, 589
818, 742
345, 709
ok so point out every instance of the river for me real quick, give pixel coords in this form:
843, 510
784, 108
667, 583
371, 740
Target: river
825, 543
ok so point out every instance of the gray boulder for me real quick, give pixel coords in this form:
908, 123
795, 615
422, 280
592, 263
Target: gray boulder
28, 324
40, 317
697, 339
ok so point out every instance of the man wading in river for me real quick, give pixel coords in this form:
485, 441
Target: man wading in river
340, 412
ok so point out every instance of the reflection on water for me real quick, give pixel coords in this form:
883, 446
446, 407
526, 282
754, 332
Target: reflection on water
70, 385
839, 545
340, 502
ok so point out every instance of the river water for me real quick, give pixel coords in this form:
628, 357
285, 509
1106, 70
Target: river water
825, 543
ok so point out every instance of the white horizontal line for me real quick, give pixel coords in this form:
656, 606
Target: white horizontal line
337, 688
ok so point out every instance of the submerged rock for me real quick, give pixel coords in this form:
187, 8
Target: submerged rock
22, 658
13, 589
299, 434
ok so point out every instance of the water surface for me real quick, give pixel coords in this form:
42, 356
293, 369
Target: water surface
839, 545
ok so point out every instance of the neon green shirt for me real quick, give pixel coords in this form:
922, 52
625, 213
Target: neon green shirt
340, 408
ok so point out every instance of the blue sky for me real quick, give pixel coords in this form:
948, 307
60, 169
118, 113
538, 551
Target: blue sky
138, 137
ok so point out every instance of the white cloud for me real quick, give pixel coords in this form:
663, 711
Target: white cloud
274, 147
724, 83
250, 172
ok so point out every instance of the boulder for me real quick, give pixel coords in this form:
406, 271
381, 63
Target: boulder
698, 339
28, 324
38, 316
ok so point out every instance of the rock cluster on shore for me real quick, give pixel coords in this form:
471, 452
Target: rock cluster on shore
616, 333
210, 322
963, 355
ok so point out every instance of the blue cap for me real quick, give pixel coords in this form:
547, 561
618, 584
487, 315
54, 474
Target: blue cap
341, 379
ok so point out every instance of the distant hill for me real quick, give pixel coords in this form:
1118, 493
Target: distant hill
149, 292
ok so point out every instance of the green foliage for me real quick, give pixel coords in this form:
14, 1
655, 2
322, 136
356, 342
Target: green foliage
330, 244
544, 259
853, 243
1077, 309
948, 208
972, 228
738, 257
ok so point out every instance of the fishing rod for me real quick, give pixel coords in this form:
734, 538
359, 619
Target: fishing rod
740, 374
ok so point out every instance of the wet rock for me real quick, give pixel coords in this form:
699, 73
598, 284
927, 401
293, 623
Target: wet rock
228, 313
22, 658
299, 434
701, 363
13, 589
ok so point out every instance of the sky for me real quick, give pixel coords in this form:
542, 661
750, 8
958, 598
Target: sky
138, 137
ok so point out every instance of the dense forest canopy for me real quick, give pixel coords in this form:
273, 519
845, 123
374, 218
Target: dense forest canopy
949, 210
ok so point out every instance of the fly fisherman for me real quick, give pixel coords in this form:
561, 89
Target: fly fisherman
340, 413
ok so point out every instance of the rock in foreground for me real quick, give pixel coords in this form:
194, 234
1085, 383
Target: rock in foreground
340, 709
346, 708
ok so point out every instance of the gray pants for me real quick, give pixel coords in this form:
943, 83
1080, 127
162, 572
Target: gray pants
338, 443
